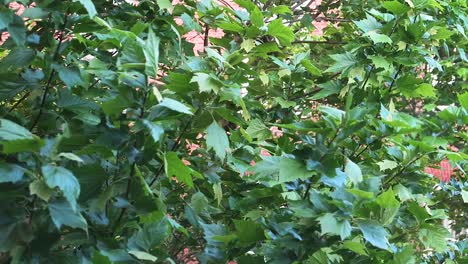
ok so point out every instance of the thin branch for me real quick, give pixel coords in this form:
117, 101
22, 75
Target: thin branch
328, 42
333, 19
205, 40
403, 169
173, 148
19, 101
52, 73
127, 193
368, 76
394, 78
44, 97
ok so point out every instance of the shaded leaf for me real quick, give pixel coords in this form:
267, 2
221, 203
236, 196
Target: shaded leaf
63, 214
64, 180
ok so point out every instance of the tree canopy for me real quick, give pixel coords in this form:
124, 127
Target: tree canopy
274, 142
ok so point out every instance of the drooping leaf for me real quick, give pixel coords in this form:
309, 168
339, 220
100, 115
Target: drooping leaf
15, 138
63, 214
353, 172
217, 140
65, 181
156, 130
151, 51
141, 194
374, 233
89, 6
40, 188
10, 173
175, 106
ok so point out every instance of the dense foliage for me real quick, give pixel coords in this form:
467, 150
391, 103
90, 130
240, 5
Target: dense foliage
272, 145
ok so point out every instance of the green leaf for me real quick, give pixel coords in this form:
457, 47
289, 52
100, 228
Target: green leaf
165, 4
17, 58
40, 188
311, 68
34, 13
175, 106
356, 245
17, 30
396, 7
464, 195
175, 167
380, 62
424, 90
248, 45
353, 172
403, 193
248, 231
6, 17
151, 51
217, 140
10, 131
284, 34
190, 23
156, 131
89, 6
141, 255
389, 205
368, 24
256, 17
64, 180
387, 165
218, 192
63, 214
434, 236
87, 118
374, 233
206, 82
361, 193
405, 256
258, 130
378, 38
10, 173
328, 88
330, 225
291, 170
230, 26
463, 99
141, 194
69, 75
319, 257
98, 258
15, 138
280, 9
151, 235
343, 62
